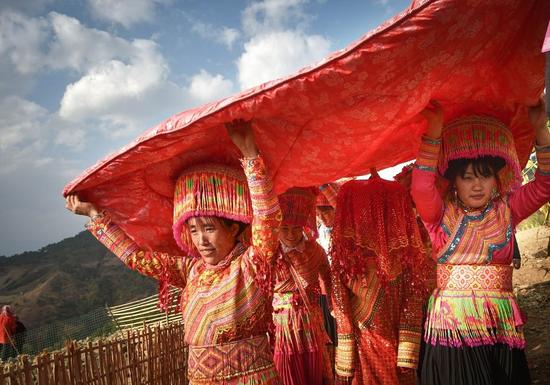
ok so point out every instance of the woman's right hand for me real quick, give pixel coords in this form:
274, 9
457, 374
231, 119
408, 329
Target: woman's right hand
433, 113
74, 204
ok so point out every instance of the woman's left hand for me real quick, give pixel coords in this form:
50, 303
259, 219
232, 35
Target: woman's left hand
242, 136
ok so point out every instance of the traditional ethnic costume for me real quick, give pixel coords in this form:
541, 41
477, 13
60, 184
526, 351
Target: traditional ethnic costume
327, 198
227, 307
473, 328
300, 353
377, 270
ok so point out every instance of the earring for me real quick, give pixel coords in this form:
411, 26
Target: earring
495, 194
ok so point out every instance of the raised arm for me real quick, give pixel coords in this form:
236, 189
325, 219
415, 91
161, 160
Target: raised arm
530, 197
265, 206
429, 203
161, 266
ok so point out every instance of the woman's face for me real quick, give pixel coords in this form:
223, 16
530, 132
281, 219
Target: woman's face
326, 214
291, 236
212, 237
473, 190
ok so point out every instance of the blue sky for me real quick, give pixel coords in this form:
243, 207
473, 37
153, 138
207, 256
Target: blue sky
81, 78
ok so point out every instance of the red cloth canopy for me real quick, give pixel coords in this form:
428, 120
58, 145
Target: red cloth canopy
355, 110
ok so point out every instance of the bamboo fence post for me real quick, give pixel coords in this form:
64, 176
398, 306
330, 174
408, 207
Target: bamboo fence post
27, 370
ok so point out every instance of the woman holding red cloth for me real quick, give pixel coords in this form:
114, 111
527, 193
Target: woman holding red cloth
302, 269
378, 277
473, 331
226, 283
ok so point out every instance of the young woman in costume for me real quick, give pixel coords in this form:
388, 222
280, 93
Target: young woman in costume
226, 285
378, 283
300, 354
326, 211
473, 331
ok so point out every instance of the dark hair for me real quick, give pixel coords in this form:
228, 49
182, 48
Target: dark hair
230, 222
225, 222
484, 166
325, 208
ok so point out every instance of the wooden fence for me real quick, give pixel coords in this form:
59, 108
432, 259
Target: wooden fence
153, 355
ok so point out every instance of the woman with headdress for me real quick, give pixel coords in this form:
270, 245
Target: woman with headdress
378, 282
226, 284
300, 353
326, 209
473, 331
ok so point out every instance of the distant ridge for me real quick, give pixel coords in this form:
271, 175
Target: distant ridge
66, 279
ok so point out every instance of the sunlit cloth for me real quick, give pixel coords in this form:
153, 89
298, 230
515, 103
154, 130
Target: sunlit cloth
355, 110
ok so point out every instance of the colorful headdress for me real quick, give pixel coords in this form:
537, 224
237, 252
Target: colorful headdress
209, 190
477, 136
375, 225
328, 193
298, 208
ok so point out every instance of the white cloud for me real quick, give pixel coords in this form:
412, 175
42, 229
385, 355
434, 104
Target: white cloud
70, 44
278, 43
111, 81
224, 35
270, 56
125, 12
21, 39
124, 84
123, 95
205, 87
22, 134
228, 36
34, 6
80, 48
274, 15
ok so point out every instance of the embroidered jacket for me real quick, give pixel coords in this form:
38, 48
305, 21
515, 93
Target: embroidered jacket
474, 304
223, 303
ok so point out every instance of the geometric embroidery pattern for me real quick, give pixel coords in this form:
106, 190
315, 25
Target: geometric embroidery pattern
474, 277
229, 360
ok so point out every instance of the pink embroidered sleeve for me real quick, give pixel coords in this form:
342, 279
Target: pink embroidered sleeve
161, 266
531, 196
427, 199
267, 217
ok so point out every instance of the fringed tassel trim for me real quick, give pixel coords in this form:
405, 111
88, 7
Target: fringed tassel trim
296, 331
458, 318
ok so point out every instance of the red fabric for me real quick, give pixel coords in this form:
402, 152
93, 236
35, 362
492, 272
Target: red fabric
7, 328
355, 110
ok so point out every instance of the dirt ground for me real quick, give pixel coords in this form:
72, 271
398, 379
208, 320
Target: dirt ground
532, 286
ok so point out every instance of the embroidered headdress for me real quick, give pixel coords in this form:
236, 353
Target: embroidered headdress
298, 208
209, 190
375, 225
477, 136
328, 193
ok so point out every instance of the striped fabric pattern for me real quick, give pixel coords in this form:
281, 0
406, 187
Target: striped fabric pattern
543, 159
428, 154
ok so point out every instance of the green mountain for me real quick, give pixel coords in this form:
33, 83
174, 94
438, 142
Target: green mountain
67, 279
